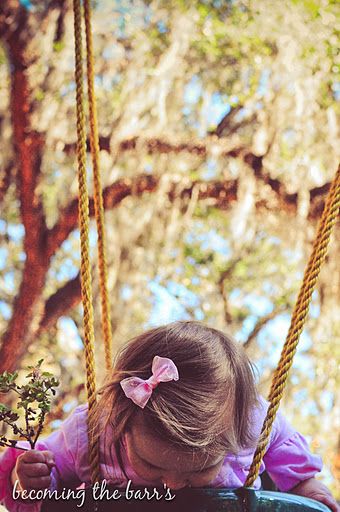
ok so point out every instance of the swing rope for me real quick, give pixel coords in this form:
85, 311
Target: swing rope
85, 269
317, 257
98, 196
84, 225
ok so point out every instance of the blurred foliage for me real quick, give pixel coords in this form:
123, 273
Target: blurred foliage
262, 76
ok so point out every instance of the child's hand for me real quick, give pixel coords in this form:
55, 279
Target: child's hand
33, 469
314, 489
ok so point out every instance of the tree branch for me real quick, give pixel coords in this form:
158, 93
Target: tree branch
226, 274
261, 322
112, 197
10, 13
223, 194
156, 145
59, 303
225, 148
5, 181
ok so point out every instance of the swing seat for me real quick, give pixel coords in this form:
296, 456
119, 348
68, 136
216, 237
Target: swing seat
195, 500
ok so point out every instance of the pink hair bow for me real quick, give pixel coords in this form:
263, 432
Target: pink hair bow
139, 390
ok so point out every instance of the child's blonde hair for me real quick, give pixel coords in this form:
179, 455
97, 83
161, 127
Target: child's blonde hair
208, 409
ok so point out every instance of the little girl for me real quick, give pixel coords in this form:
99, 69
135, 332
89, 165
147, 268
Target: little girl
179, 409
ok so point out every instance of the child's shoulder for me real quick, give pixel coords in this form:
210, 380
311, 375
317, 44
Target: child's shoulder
258, 416
81, 410
76, 418
260, 408
73, 430
281, 427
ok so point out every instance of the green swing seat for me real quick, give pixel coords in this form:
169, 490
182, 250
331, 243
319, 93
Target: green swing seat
196, 500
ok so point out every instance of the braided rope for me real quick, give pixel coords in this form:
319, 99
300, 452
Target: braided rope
98, 197
85, 270
326, 224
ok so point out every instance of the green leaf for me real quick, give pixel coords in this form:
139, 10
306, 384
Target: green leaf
47, 374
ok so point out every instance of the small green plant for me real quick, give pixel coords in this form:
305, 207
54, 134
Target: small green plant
34, 398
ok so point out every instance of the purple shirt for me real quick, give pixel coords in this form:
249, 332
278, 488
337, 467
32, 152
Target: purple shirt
287, 460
